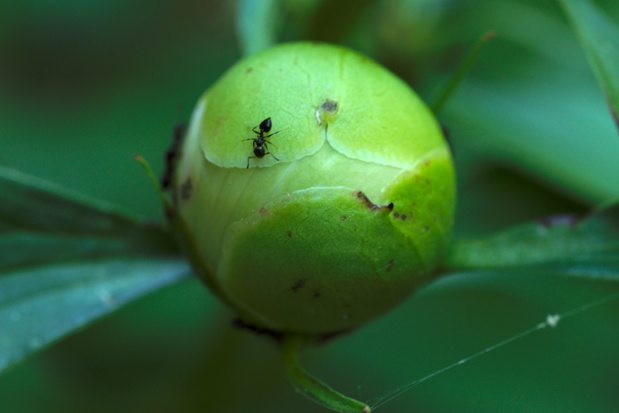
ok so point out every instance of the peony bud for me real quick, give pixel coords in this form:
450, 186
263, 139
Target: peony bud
315, 188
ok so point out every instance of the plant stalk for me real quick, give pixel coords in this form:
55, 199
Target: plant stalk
463, 69
311, 387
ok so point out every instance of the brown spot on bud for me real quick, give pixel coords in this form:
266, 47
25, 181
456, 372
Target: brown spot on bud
326, 111
329, 106
299, 284
370, 205
397, 215
186, 190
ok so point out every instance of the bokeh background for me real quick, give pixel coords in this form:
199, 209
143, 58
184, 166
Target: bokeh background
86, 84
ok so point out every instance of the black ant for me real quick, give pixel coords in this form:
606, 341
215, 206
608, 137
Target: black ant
260, 142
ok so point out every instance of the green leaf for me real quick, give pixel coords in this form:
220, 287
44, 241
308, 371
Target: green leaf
556, 241
532, 103
573, 257
599, 38
66, 260
563, 266
257, 22
311, 387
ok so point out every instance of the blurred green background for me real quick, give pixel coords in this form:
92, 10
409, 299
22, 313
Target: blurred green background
86, 84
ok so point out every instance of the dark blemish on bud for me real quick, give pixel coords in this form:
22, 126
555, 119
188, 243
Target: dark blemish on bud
289, 233
366, 201
262, 210
561, 219
397, 215
261, 331
249, 70
299, 284
316, 294
361, 196
186, 190
329, 106
175, 195
390, 265
172, 155
326, 110
343, 218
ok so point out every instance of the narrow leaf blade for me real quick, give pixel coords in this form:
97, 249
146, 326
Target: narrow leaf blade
599, 37
40, 305
66, 260
556, 241
550, 264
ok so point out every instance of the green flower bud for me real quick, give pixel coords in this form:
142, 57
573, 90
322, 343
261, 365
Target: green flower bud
330, 213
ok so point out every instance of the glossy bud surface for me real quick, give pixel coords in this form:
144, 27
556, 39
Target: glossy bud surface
347, 210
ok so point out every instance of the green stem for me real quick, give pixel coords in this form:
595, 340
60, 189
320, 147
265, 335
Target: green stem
463, 69
311, 387
151, 176
257, 24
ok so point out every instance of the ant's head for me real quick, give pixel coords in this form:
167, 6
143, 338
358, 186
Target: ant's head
265, 125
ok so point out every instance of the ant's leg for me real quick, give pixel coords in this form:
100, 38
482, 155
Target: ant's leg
248, 158
267, 150
274, 157
269, 142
